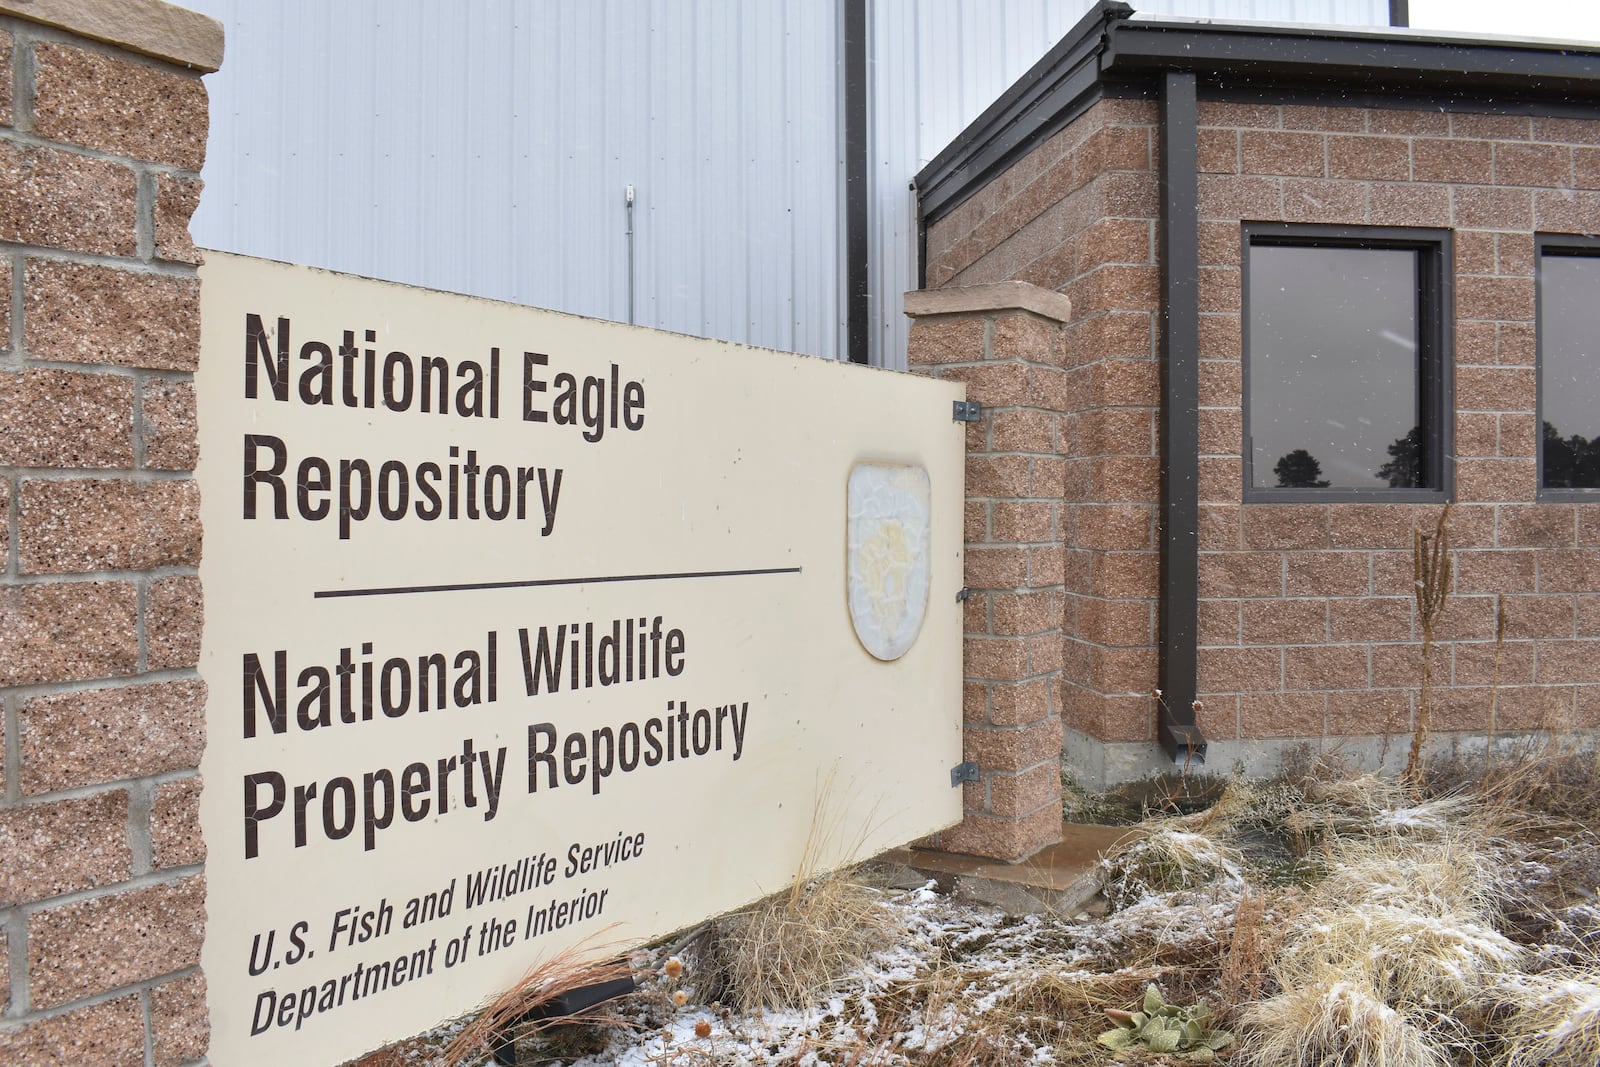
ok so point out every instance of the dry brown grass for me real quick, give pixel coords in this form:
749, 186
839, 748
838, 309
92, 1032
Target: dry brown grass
789, 949
1555, 1020
1058, 1011
1406, 914
1162, 860
1409, 959
1453, 874
571, 968
1393, 951
1550, 772
1333, 1022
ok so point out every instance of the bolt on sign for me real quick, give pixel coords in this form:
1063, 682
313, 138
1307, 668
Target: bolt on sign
526, 631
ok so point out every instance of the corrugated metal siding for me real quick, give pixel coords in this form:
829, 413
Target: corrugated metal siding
938, 64
1325, 12
485, 147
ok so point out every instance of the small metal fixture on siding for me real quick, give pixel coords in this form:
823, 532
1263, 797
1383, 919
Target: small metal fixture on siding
963, 772
628, 194
966, 411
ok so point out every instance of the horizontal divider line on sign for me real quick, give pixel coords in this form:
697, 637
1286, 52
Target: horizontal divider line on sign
533, 583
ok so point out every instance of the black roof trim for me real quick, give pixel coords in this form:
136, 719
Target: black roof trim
1244, 90
1109, 52
1366, 61
1054, 91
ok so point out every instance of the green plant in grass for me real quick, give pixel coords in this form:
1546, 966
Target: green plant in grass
1167, 1028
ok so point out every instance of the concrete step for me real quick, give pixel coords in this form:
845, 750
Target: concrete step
1062, 879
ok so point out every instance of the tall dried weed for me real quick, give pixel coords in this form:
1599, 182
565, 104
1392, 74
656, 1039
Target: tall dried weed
1433, 570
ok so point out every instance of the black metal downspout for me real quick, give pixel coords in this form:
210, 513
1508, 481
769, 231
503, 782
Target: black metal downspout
1180, 421
1400, 13
857, 326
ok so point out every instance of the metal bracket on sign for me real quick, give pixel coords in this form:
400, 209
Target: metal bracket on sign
963, 772
966, 411
962, 594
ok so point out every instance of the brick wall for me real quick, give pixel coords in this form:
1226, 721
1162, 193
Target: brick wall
1307, 622
1005, 343
101, 884
1078, 215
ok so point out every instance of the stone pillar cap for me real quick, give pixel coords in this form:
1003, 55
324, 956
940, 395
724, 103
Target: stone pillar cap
998, 296
151, 27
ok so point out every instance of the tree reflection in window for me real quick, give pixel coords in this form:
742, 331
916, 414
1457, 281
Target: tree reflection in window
1570, 462
1299, 470
1404, 469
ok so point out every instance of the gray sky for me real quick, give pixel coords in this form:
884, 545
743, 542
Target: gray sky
1573, 20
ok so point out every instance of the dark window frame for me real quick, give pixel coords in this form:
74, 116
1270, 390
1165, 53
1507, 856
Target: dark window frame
1435, 355
1553, 244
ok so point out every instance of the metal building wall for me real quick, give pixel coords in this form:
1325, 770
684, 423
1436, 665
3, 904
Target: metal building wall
485, 147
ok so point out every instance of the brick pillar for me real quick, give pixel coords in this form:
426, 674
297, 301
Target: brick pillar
102, 895
1005, 342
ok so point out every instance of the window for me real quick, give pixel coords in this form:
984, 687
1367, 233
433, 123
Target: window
1569, 364
1346, 375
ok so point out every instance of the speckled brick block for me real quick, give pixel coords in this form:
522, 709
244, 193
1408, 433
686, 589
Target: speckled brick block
169, 426
176, 200
110, 1034
175, 824
1021, 794
119, 106
937, 341
78, 950
59, 200
7, 108
67, 631
1014, 748
992, 835
5, 306
174, 616
66, 420
178, 1021
79, 313
55, 848
92, 524
107, 735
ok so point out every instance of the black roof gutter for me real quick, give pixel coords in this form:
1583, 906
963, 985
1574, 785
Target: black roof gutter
1110, 50
1408, 62
1055, 91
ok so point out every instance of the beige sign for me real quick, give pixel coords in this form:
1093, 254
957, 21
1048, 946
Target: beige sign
524, 629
